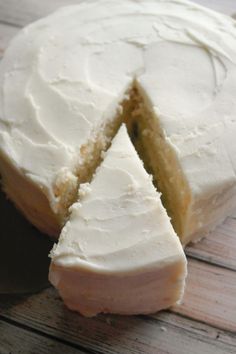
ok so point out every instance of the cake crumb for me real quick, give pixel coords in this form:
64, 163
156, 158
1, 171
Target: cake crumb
163, 329
84, 189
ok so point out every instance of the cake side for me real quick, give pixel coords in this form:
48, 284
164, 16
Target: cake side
28, 198
142, 293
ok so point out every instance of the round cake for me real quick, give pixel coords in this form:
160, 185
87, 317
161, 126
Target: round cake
165, 68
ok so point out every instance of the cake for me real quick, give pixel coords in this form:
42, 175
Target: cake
165, 68
119, 243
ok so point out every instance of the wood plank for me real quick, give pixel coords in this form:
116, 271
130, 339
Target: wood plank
219, 247
196, 327
210, 295
22, 12
14, 339
164, 333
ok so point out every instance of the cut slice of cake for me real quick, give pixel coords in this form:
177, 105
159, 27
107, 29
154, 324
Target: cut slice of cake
118, 253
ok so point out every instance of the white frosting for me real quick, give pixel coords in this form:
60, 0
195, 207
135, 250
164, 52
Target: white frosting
119, 229
63, 77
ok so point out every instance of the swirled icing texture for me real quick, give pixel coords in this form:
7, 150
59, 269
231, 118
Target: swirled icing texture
63, 77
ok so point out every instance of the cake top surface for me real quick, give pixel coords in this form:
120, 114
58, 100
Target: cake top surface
119, 225
63, 77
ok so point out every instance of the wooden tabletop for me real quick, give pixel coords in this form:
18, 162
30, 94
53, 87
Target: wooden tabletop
205, 322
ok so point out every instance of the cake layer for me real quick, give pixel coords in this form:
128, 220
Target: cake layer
118, 252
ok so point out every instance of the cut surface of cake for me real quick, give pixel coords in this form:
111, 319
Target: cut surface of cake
69, 80
118, 253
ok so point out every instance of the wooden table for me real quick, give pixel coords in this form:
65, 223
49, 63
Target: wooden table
205, 322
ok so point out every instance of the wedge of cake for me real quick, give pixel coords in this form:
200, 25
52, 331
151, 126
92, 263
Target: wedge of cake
118, 253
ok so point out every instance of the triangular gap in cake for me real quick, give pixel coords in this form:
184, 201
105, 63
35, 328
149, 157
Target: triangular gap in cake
158, 156
186, 203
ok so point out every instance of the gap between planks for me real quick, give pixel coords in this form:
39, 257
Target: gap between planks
201, 323
14, 339
205, 299
219, 247
210, 295
168, 333
39, 333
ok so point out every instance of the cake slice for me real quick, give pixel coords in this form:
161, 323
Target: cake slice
118, 253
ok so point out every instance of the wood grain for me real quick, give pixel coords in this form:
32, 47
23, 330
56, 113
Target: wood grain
210, 295
205, 300
219, 247
167, 333
15, 340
